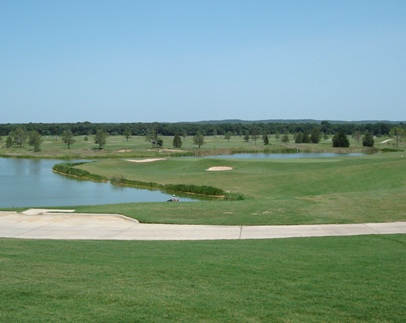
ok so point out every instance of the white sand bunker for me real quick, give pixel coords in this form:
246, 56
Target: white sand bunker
219, 168
145, 160
385, 141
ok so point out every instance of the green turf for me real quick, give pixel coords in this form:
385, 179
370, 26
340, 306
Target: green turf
137, 146
336, 279
370, 188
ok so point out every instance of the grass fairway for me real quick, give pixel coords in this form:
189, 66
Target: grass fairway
370, 188
335, 279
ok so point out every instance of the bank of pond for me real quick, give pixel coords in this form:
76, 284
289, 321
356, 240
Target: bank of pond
34, 183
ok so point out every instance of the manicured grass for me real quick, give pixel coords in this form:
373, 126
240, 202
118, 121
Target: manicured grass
137, 146
335, 279
293, 191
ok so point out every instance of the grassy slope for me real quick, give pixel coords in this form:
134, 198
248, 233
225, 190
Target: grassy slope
340, 190
336, 279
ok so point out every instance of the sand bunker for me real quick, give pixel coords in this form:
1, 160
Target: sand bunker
219, 168
385, 141
145, 160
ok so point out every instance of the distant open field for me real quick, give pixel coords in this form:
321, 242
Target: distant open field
138, 146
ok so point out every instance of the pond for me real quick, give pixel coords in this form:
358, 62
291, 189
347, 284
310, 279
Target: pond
286, 156
32, 183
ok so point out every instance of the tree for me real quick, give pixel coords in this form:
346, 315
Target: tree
285, 138
266, 140
127, 133
299, 138
9, 141
152, 136
306, 138
315, 135
228, 135
357, 136
368, 140
100, 138
184, 134
340, 140
255, 133
398, 133
67, 138
35, 139
246, 136
177, 142
198, 139
19, 136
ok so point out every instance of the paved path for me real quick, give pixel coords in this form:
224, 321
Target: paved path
63, 224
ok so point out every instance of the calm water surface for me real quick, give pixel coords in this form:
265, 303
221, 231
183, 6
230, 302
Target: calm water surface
286, 156
30, 182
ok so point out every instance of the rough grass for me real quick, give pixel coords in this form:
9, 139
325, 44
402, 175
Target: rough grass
300, 191
336, 279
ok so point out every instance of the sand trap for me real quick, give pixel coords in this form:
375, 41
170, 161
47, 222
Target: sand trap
219, 168
385, 141
149, 160
124, 151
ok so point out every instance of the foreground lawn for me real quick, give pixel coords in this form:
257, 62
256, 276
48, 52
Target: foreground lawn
336, 279
370, 188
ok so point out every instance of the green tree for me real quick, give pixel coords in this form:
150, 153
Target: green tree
357, 136
19, 136
266, 140
340, 140
255, 133
35, 139
152, 136
198, 139
9, 141
315, 135
246, 136
127, 133
67, 138
368, 140
228, 135
177, 142
299, 138
306, 138
397, 133
285, 138
100, 138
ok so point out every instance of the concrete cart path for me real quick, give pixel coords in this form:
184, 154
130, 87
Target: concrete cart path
63, 224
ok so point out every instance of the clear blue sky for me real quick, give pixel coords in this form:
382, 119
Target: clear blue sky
172, 60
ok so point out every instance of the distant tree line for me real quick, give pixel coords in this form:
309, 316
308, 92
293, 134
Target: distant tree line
205, 129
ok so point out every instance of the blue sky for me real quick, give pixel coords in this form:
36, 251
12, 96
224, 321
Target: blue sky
170, 61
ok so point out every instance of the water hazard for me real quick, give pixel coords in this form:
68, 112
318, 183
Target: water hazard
32, 183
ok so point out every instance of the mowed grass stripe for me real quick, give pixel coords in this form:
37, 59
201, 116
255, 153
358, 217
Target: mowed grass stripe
334, 279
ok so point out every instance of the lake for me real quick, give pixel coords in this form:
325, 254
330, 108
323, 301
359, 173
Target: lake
32, 183
286, 156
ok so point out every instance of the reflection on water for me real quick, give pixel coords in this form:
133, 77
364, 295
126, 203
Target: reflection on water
31, 182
